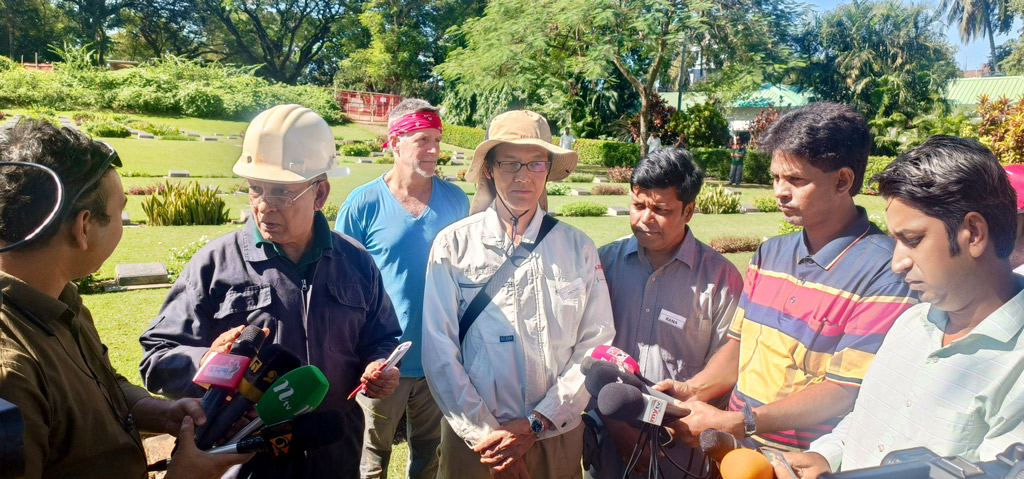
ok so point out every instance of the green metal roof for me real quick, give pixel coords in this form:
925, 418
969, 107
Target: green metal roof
780, 96
966, 91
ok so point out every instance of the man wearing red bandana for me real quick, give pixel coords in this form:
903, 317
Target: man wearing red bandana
396, 217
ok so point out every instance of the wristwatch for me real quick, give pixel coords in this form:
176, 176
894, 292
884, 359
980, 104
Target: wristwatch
536, 425
749, 422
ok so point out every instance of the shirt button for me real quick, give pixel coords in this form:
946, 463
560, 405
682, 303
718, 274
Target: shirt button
934, 360
881, 448
792, 300
908, 403
648, 310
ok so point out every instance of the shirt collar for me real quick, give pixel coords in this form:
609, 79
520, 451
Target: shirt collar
686, 252
494, 233
832, 252
41, 306
321, 238
1002, 325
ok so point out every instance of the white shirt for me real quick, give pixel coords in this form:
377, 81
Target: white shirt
524, 351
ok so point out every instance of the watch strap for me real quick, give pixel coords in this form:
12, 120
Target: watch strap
749, 421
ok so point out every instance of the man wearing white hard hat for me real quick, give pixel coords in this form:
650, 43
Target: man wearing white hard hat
318, 293
514, 301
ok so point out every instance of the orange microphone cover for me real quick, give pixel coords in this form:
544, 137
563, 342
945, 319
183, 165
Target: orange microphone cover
746, 464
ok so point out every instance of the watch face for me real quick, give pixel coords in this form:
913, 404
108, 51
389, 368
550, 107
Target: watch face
536, 426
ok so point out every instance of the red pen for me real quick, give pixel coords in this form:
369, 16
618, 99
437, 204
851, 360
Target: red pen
388, 365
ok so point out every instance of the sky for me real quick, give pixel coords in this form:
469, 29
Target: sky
969, 57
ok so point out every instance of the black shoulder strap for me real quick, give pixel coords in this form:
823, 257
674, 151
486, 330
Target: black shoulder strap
483, 298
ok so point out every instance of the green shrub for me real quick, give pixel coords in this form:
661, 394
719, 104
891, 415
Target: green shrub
735, 244
107, 129
757, 168
356, 149
558, 189
766, 203
875, 166
443, 158
704, 126
607, 153
145, 100
8, 64
462, 136
182, 255
154, 128
582, 208
607, 190
715, 199
785, 228
461, 174
714, 162
179, 137
389, 160
620, 174
330, 210
200, 102
580, 178
185, 204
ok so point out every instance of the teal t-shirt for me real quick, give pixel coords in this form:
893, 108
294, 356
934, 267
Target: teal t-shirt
400, 243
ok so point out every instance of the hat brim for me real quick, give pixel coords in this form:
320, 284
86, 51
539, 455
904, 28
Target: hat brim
563, 161
485, 195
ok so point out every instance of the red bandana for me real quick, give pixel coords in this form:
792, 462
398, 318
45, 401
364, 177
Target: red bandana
421, 120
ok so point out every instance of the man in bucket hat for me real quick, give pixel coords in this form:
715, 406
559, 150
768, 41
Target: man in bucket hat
318, 293
505, 366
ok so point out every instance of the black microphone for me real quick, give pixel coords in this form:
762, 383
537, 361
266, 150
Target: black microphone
717, 443
601, 373
290, 438
271, 363
247, 344
626, 403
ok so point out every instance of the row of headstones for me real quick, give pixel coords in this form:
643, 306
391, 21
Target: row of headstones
142, 135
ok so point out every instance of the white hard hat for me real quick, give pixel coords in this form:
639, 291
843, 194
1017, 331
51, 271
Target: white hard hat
287, 144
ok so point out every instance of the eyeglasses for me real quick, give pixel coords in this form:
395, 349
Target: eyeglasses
515, 166
111, 159
275, 201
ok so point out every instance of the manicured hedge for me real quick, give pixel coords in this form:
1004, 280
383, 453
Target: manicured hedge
462, 136
607, 153
713, 161
757, 168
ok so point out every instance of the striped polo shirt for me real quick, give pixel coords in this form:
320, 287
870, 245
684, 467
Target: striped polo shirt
806, 318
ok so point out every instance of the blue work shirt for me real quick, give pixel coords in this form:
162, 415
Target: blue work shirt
400, 243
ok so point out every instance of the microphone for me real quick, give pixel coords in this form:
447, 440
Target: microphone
297, 392
271, 363
717, 443
626, 403
746, 464
615, 355
288, 439
601, 373
242, 350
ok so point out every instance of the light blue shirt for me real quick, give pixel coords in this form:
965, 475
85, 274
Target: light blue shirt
965, 399
400, 243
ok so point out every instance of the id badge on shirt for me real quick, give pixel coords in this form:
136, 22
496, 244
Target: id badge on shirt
672, 319
572, 290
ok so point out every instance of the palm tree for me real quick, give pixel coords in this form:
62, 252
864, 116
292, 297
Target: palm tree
980, 18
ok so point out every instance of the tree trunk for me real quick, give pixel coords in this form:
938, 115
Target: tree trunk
992, 48
645, 109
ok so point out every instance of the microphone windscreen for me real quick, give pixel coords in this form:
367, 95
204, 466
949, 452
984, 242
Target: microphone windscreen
746, 464
717, 443
617, 356
249, 341
603, 373
295, 393
620, 401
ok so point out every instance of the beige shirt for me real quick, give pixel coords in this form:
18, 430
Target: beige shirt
524, 351
74, 405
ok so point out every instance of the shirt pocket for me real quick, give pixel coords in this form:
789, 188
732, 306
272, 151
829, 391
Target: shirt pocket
345, 314
567, 297
958, 431
244, 298
494, 368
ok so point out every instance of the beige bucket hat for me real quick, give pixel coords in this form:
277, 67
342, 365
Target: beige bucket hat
520, 127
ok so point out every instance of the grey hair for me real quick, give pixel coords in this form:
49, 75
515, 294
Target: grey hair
410, 105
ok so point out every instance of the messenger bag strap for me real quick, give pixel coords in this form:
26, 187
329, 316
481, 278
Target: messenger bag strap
500, 277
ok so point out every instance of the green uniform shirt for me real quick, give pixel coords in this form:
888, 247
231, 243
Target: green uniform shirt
74, 405
321, 241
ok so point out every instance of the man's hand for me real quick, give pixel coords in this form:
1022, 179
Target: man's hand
507, 444
188, 462
162, 416
223, 342
704, 416
680, 390
806, 465
380, 384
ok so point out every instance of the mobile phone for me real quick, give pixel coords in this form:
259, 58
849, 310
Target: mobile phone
396, 356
